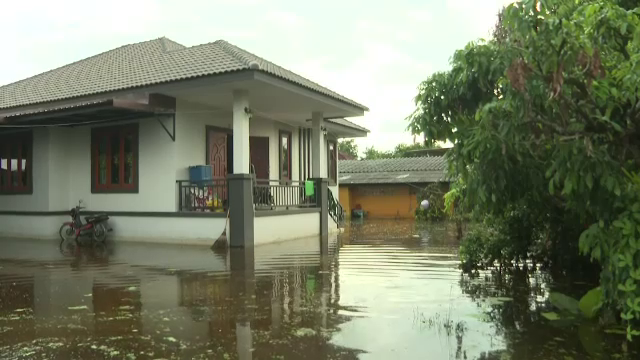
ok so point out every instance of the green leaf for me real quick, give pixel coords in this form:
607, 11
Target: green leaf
568, 186
564, 302
552, 189
591, 339
590, 180
591, 302
550, 316
627, 316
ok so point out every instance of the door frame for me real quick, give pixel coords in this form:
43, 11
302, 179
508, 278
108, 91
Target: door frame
229, 133
268, 139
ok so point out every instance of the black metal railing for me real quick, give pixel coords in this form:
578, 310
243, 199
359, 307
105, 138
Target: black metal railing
274, 194
209, 195
335, 209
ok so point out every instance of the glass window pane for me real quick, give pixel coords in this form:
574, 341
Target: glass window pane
4, 166
25, 171
102, 161
114, 143
284, 153
15, 150
128, 159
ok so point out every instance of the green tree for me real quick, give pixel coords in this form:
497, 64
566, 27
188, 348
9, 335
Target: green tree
401, 150
545, 116
348, 146
371, 153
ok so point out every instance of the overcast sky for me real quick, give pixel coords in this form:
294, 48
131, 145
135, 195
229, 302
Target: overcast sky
374, 52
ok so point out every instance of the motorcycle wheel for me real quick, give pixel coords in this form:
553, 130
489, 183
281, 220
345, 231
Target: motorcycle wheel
99, 233
68, 242
67, 232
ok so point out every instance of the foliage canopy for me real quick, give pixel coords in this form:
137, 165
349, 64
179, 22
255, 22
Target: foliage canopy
348, 146
546, 115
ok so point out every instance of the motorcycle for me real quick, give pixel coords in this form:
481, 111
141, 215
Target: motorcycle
95, 226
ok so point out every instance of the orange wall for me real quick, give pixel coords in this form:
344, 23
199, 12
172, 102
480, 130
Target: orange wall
345, 199
382, 201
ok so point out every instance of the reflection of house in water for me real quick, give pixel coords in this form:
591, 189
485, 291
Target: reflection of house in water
17, 302
287, 312
117, 308
284, 302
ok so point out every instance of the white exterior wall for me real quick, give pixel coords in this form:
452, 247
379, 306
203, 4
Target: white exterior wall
270, 229
156, 180
25, 226
192, 120
191, 136
60, 168
174, 230
62, 177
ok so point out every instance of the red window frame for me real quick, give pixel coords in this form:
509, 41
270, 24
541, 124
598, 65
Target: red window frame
7, 142
286, 134
108, 132
332, 162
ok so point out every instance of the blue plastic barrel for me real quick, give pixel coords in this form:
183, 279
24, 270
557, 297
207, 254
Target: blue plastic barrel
200, 173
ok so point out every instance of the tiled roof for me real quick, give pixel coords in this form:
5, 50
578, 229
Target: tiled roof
347, 123
142, 64
393, 171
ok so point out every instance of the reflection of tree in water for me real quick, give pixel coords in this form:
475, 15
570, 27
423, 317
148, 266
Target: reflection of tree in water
513, 300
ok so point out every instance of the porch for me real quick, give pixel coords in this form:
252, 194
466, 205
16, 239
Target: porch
268, 195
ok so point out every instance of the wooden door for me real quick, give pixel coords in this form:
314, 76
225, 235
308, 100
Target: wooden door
217, 152
259, 152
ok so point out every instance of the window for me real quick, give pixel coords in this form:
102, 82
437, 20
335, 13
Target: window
332, 163
114, 160
285, 156
16, 152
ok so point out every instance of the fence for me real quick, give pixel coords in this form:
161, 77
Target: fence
274, 194
209, 195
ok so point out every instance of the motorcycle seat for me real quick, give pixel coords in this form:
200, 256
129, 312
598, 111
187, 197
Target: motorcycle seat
96, 218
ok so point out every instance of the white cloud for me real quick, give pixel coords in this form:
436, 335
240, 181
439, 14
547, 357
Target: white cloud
377, 57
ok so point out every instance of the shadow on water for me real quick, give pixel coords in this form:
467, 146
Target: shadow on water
387, 289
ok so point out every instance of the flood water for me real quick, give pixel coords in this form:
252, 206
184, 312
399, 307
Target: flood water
385, 290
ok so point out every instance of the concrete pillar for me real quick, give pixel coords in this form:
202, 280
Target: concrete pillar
241, 213
241, 119
322, 192
317, 139
243, 291
241, 217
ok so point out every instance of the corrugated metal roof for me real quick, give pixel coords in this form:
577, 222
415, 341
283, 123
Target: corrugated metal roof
393, 171
392, 165
142, 64
392, 177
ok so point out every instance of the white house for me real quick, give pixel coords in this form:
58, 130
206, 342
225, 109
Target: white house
119, 131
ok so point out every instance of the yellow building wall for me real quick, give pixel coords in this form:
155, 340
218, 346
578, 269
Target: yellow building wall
382, 201
345, 199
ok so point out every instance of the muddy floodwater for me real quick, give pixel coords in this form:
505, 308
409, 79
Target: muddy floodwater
384, 290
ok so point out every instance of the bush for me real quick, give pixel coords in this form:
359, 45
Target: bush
434, 193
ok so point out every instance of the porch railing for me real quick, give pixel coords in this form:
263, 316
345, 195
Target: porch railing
335, 209
209, 195
274, 194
